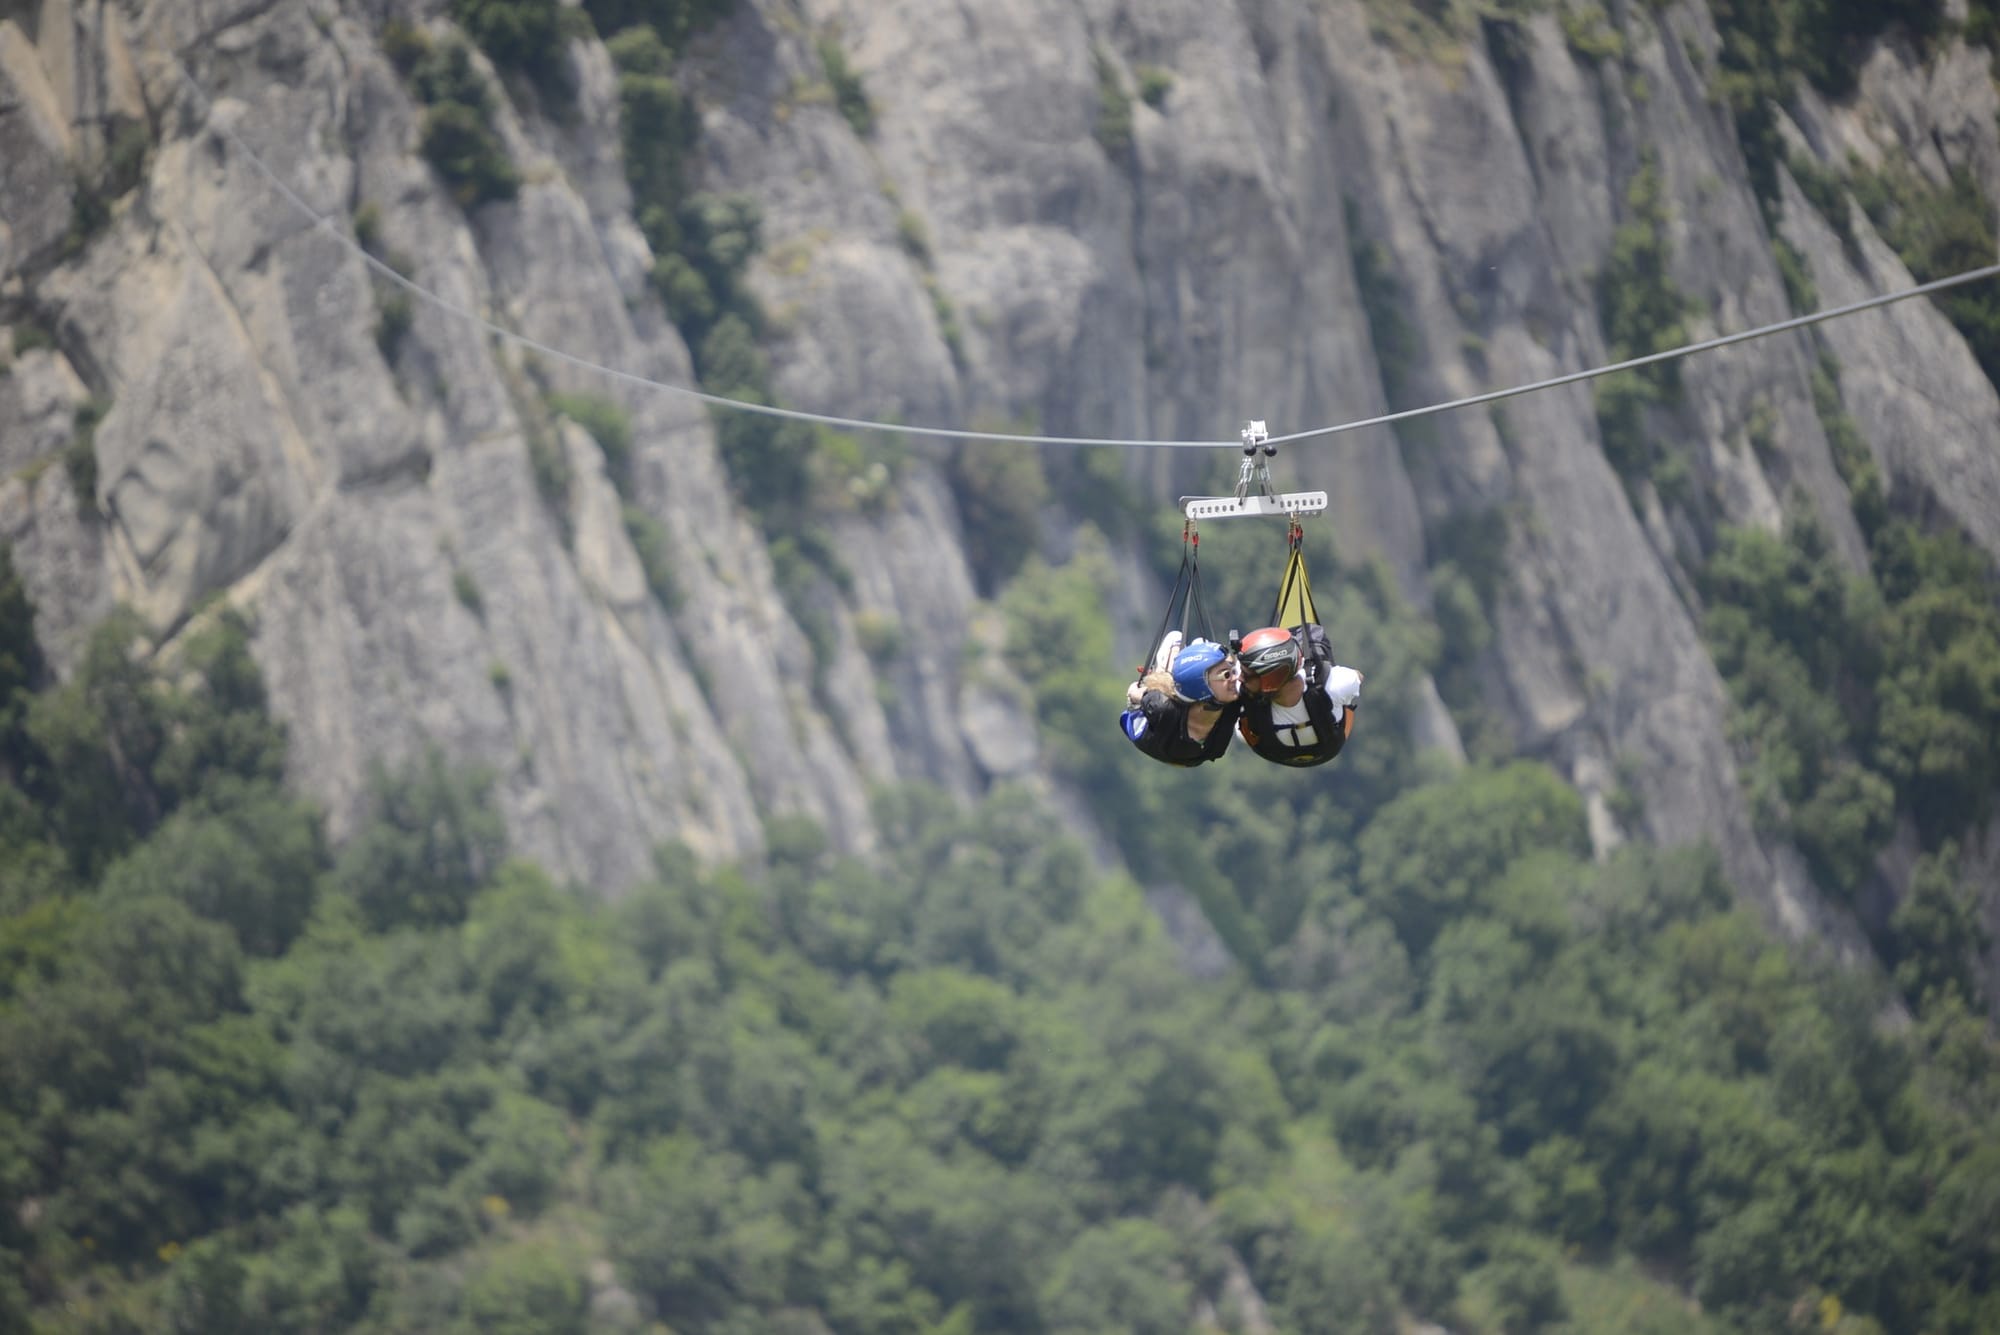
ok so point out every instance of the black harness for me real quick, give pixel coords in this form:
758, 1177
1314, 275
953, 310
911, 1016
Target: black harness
1165, 736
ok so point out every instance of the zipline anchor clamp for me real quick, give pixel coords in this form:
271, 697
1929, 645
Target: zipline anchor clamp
1255, 472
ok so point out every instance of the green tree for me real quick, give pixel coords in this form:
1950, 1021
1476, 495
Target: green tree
20, 660
1122, 1276
701, 1234
526, 1290
253, 867
1428, 854
221, 739
96, 738
1937, 937
1527, 1294
671, 20
526, 35
430, 843
1059, 645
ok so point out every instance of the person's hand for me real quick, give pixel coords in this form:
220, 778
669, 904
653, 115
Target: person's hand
1134, 694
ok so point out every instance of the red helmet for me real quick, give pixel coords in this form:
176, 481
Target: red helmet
1270, 658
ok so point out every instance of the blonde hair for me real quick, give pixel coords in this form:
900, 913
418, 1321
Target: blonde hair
1157, 680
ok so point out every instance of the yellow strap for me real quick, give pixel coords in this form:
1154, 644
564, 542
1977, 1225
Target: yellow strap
1295, 600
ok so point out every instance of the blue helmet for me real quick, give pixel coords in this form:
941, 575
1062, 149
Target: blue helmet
1191, 667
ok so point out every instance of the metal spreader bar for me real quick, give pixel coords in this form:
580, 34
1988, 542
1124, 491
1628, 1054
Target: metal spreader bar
1225, 507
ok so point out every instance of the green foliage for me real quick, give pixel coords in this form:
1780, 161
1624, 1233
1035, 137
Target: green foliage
1059, 646
466, 589
30, 337
115, 169
368, 227
1641, 307
1982, 23
1424, 856
1852, 457
1114, 109
457, 135
654, 548
526, 1290
859, 470
769, 458
719, 235
1825, 191
1938, 231
548, 464
394, 317
1002, 491
848, 93
1938, 936
1940, 686
251, 866
80, 455
1620, 402
431, 843
1591, 34
1858, 702
1527, 1295
912, 236
968, 1083
462, 146
672, 21
394, 312
1642, 311
94, 742
20, 656
702, 244
947, 320
657, 130
1787, 635
808, 576
1831, 35
526, 35
1154, 85
609, 425
1765, 47
1398, 344
405, 45
1793, 271
1119, 1276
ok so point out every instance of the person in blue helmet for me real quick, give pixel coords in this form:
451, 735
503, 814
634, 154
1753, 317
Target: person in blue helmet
1184, 712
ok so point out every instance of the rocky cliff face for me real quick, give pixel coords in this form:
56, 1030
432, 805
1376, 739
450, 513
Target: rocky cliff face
1162, 276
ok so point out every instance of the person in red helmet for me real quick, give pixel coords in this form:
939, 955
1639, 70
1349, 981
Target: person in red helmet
1298, 703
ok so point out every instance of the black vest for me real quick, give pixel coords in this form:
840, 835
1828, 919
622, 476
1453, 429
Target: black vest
1166, 736
1262, 733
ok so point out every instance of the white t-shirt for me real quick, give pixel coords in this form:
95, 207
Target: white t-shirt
1292, 724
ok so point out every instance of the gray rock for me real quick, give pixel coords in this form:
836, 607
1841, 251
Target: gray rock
39, 396
35, 151
995, 249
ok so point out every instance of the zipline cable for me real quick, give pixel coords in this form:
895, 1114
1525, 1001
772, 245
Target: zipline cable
1762, 331
326, 223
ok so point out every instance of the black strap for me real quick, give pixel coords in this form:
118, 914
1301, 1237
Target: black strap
1186, 598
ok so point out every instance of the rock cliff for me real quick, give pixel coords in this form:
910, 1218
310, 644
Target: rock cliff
1104, 217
